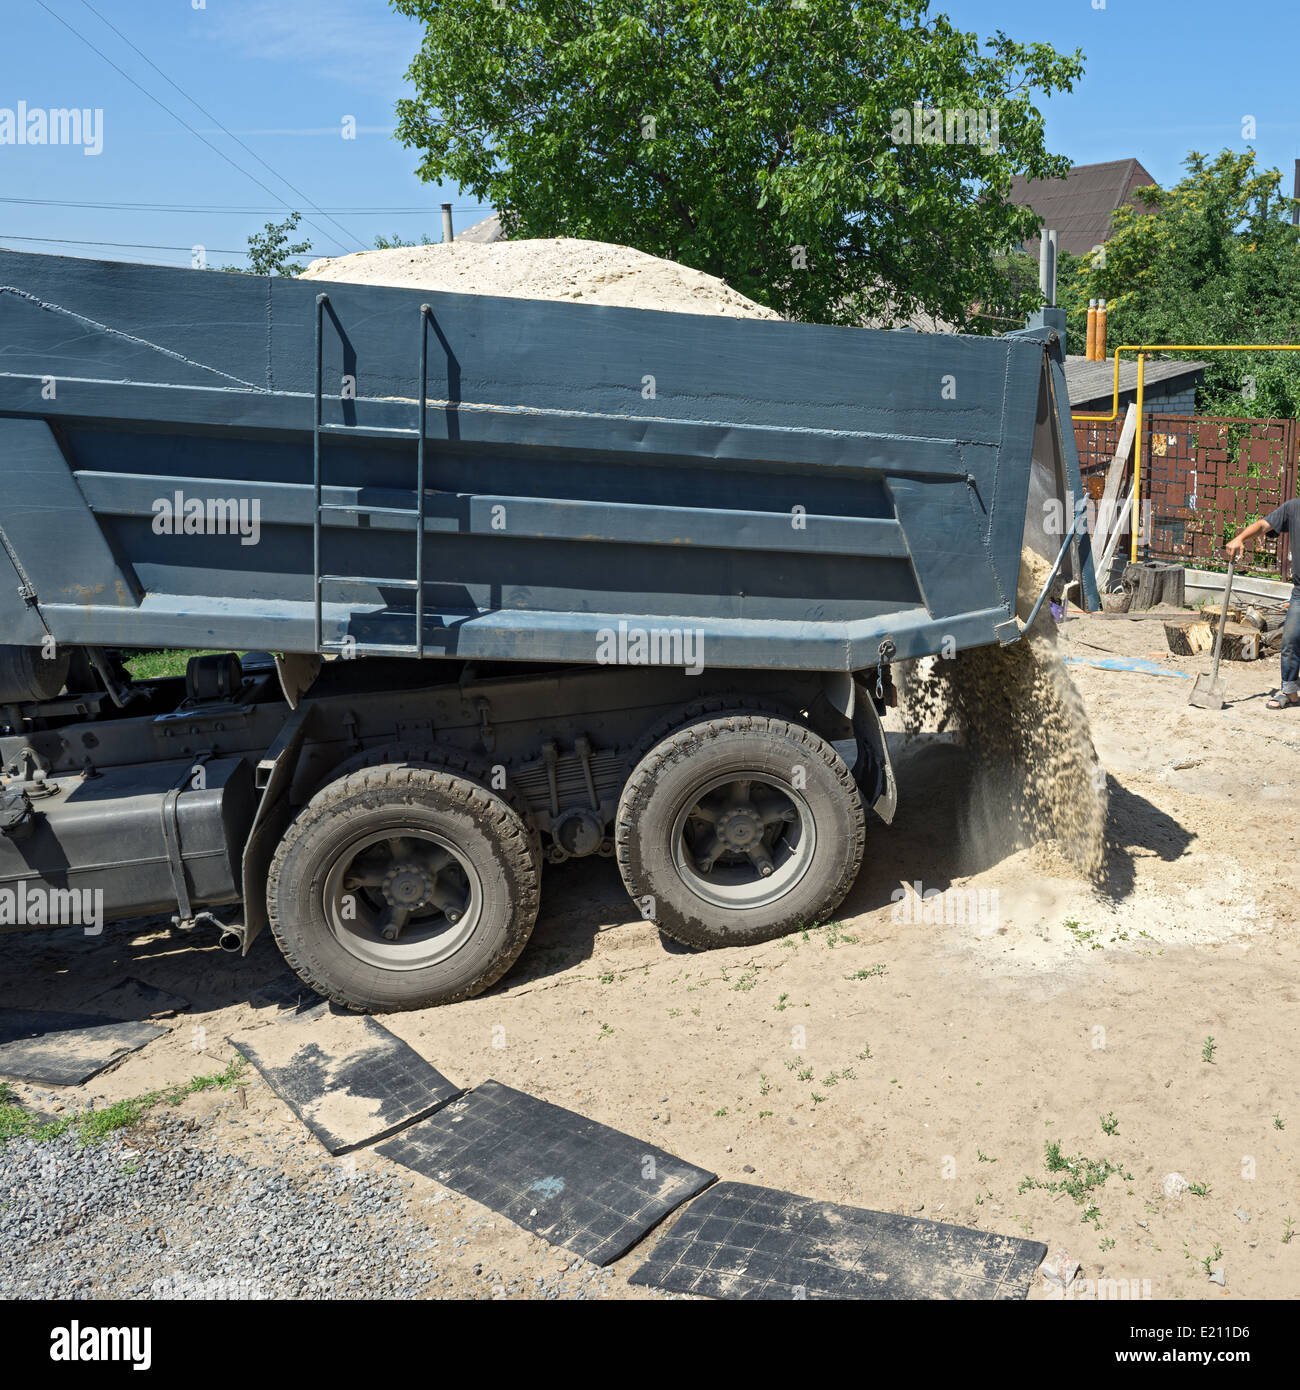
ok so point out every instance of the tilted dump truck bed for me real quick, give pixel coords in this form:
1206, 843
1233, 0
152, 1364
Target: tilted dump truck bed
196, 459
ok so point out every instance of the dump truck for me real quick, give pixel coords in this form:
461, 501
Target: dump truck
478, 585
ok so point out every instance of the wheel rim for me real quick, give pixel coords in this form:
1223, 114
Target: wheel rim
402, 899
743, 841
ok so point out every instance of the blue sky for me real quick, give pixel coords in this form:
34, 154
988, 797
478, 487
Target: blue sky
1163, 77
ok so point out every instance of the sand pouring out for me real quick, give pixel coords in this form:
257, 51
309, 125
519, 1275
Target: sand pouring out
1036, 773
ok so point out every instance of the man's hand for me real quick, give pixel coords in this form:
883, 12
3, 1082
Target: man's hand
1237, 544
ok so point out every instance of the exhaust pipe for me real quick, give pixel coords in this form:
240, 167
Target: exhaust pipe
231, 941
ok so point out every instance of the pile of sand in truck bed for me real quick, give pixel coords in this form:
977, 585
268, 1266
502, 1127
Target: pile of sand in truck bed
565, 268
1036, 776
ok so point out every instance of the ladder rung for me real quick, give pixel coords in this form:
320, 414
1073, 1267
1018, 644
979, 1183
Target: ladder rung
370, 648
367, 579
368, 511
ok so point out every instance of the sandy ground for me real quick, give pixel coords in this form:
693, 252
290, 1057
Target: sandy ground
890, 1061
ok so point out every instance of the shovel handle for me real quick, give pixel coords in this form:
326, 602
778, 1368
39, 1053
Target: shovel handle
1223, 619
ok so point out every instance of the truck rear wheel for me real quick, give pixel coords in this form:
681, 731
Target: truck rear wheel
402, 886
739, 828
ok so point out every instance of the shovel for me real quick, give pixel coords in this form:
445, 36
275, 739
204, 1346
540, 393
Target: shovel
1209, 691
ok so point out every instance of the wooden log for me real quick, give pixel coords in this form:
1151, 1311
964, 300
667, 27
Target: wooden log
1189, 637
1240, 642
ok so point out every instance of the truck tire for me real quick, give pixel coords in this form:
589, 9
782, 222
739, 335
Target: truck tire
402, 886
739, 828
445, 759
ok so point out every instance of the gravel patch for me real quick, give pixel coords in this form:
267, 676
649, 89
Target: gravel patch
162, 1211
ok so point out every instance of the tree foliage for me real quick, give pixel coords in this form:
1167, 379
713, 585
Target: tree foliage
758, 140
270, 251
1214, 259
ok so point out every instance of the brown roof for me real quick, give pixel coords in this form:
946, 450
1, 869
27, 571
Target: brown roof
1079, 206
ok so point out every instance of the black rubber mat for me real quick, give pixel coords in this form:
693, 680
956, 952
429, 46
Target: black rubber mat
346, 1077
65, 1049
579, 1184
744, 1242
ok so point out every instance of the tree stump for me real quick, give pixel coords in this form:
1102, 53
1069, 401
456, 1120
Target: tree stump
1189, 637
1154, 582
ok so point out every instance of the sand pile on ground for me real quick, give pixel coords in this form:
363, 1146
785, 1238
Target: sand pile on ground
566, 268
1036, 775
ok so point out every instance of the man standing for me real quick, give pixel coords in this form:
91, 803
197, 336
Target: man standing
1286, 519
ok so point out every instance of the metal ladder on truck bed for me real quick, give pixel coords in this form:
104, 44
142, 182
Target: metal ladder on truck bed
319, 578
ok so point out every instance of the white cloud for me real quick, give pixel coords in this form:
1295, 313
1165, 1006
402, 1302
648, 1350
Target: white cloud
367, 45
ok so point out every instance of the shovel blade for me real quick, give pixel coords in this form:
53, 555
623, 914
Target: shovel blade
1209, 692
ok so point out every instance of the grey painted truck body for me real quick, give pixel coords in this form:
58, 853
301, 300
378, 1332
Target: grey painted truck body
780, 509
796, 494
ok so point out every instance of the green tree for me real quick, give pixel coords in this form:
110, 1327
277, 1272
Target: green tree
1214, 259
775, 143
270, 251
396, 242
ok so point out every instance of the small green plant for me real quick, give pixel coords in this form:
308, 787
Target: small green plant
1106, 1243
1207, 1264
1080, 934
1082, 1176
718, 1114
816, 1099
607, 978
804, 1074
1109, 1124
1278, 1122
983, 1157
1199, 1189
764, 1085
867, 974
865, 1054
780, 1006
606, 1031
1288, 1230
1208, 1048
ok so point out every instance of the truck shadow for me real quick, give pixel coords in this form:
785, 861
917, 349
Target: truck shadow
931, 842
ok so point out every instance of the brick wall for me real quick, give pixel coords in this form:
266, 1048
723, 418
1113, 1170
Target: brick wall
1204, 478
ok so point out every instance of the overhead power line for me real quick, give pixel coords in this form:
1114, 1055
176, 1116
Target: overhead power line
124, 245
429, 211
198, 106
181, 119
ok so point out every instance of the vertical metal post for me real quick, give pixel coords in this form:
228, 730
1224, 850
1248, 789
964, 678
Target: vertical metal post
321, 301
1047, 267
425, 313
1135, 510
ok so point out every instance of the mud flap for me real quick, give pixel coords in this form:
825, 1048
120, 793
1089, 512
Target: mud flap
873, 771
274, 777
